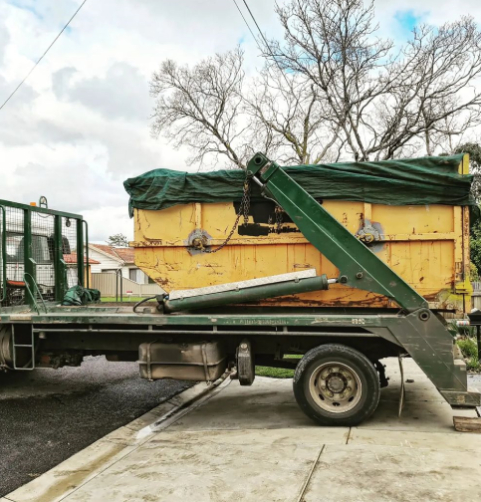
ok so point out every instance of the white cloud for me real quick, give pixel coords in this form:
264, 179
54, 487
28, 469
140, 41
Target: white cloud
122, 93
80, 125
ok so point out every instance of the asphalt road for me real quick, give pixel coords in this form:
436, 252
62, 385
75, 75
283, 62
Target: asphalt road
46, 415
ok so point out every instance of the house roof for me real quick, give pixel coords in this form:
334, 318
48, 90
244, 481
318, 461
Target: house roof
124, 255
72, 258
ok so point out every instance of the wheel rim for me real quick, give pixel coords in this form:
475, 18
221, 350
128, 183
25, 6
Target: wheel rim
335, 387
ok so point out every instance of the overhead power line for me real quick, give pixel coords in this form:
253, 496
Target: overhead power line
258, 28
42, 56
268, 47
245, 21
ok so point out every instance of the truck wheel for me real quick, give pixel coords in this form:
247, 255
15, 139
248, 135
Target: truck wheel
336, 385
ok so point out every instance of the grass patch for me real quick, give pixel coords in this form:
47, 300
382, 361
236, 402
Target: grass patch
267, 371
469, 349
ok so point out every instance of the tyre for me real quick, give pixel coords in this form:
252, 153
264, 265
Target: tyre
336, 385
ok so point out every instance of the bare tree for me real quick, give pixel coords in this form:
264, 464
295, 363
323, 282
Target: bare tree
383, 101
332, 88
200, 107
287, 107
211, 110
440, 100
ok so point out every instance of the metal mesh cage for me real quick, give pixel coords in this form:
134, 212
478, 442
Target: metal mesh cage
43, 255
39, 259
70, 251
13, 289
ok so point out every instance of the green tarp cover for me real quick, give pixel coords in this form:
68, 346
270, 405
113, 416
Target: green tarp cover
78, 295
427, 180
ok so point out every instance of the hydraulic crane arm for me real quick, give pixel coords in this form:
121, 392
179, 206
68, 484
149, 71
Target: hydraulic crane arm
358, 266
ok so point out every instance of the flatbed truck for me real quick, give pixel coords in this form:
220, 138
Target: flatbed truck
199, 334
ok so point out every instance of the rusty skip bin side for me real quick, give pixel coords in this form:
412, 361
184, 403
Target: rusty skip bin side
428, 246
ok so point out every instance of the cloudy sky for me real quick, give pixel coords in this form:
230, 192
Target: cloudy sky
80, 125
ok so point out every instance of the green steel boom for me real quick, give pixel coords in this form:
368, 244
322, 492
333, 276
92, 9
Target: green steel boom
421, 333
359, 267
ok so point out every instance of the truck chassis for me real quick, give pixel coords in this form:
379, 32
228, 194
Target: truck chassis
64, 335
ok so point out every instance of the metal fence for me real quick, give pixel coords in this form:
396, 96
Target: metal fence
108, 285
476, 298
41, 253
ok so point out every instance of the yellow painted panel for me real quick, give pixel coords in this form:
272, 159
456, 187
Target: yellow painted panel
171, 226
414, 219
175, 224
427, 266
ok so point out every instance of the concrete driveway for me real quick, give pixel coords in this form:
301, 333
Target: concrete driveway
46, 416
254, 444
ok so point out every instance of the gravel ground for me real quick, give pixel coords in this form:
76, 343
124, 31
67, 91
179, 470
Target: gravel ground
46, 416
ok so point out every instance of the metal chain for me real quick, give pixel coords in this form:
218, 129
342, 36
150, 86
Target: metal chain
279, 221
243, 211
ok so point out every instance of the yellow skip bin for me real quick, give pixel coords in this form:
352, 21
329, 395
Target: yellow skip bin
427, 245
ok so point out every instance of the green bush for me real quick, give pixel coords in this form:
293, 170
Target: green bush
469, 349
464, 331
